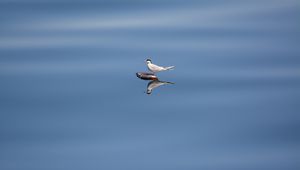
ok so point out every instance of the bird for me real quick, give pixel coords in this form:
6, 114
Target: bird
154, 84
155, 68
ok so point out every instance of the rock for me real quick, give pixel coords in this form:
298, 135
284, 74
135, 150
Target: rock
146, 76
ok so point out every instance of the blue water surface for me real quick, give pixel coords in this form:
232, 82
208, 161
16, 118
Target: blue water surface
70, 99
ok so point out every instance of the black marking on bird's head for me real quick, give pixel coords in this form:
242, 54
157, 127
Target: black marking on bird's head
148, 60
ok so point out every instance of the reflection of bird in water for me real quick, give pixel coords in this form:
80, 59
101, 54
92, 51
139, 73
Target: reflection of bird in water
155, 68
154, 84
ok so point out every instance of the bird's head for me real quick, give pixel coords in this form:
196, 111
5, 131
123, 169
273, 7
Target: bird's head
148, 61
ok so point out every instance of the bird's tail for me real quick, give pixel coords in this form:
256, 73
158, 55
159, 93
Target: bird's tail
170, 68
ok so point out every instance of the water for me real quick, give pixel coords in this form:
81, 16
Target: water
70, 98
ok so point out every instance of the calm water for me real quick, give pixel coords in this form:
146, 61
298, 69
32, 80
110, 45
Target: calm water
70, 99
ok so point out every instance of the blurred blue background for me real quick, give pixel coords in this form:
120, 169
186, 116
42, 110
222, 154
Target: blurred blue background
69, 97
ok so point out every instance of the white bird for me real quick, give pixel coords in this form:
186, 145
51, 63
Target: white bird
154, 84
155, 68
